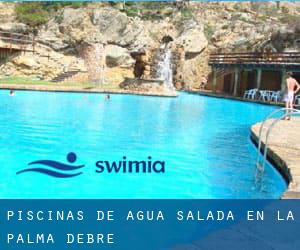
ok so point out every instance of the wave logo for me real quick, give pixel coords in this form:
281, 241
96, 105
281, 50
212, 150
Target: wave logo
55, 168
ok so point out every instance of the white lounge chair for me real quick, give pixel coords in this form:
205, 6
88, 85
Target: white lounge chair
264, 95
297, 99
246, 94
275, 96
250, 94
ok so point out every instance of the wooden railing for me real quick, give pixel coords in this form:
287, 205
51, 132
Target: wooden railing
255, 58
16, 41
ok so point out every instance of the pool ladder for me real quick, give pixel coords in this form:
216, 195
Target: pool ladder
260, 164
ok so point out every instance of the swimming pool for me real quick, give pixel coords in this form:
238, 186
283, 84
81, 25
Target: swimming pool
204, 142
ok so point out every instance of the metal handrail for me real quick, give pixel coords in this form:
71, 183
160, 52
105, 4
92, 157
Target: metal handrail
292, 112
25, 41
14, 33
17, 41
269, 131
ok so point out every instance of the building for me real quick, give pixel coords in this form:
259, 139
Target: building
234, 73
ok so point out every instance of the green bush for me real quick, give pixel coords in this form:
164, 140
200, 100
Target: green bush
50, 6
187, 13
148, 10
38, 13
132, 12
208, 31
284, 10
32, 14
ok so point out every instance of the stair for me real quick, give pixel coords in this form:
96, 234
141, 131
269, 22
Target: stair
65, 75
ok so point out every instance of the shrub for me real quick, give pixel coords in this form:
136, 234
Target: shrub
284, 10
132, 12
187, 13
38, 13
32, 14
208, 31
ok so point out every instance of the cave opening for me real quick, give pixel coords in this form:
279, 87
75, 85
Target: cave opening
140, 64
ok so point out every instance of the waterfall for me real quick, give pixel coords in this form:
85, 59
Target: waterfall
165, 71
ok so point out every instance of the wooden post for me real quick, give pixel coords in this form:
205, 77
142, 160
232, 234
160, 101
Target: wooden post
236, 81
258, 78
283, 80
10, 42
231, 83
33, 44
214, 83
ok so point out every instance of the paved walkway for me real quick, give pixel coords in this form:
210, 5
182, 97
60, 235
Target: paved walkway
284, 151
81, 89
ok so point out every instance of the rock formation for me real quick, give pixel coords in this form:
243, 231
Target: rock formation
131, 41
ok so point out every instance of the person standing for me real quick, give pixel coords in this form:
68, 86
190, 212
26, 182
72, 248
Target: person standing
292, 88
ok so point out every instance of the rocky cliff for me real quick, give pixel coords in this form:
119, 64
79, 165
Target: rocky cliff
130, 41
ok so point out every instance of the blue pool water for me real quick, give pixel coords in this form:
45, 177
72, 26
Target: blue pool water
204, 142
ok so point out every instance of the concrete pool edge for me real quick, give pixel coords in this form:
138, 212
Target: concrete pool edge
282, 157
74, 89
234, 98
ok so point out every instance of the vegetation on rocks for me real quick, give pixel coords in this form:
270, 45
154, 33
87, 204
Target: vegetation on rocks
134, 32
209, 30
38, 13
32, 14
